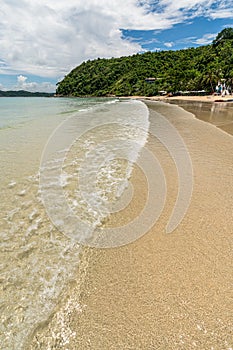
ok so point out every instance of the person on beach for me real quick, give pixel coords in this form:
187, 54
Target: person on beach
224, 90
229, 89
218, 89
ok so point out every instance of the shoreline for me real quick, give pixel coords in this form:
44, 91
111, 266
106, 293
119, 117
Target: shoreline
207, 98
204, 108
218, 114
164, 290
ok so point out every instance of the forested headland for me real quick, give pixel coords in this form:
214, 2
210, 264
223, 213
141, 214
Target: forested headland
23, 93
147, 74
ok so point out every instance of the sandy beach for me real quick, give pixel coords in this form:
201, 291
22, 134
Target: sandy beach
214, 109
207, 98
163, 291
220, 114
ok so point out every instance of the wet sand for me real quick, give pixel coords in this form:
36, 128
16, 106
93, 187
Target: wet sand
216, 110
163, 291
219, 114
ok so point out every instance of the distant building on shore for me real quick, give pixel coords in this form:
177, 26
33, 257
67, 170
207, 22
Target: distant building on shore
150, 80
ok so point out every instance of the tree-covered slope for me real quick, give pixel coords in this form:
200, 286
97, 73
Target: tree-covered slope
189, 69
23, 93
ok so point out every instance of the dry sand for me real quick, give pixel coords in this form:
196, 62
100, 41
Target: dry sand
164, 291
207, 98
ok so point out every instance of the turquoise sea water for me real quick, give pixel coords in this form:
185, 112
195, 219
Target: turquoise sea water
36, 259
15, 111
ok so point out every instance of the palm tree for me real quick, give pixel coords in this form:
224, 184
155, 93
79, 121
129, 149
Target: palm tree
212, 77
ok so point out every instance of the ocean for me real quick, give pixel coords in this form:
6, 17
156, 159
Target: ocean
61, 158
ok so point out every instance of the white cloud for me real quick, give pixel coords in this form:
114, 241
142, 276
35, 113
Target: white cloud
169, 44
21, 79
22, 84
48, 37
224, 13
206, 39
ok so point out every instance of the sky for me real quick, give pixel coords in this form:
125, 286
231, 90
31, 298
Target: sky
43, 40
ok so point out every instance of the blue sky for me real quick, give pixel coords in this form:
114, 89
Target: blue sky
42, 41
200, 31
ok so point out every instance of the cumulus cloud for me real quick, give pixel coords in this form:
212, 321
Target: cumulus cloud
23, 84
168, 44
48, 37
21, 80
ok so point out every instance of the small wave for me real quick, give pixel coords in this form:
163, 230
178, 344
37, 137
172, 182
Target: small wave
108, 145
39, 259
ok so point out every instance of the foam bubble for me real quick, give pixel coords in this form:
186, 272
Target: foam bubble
12, 184
22, 193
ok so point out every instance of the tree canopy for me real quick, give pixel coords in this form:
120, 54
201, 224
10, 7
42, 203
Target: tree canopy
225, 34
23, 93
189, 69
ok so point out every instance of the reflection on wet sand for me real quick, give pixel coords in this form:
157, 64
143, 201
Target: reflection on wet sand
219, 114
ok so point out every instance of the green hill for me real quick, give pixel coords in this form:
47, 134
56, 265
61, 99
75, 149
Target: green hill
191, 69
